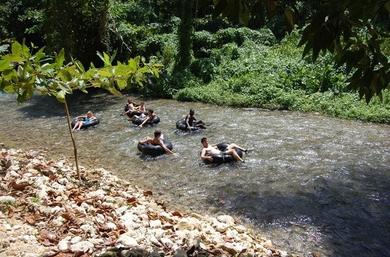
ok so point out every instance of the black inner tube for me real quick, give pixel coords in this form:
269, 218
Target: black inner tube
132, 113
85, 125
223, 157
181, 125
154, 150
138, 120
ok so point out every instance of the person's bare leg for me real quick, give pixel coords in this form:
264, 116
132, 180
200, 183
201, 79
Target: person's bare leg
80, 124
76, 125
235, 146
235, 155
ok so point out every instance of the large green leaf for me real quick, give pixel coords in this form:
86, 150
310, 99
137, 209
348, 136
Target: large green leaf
105, 72
61, 96
60, 58
16, 48
122, 83
38, 56
5, 65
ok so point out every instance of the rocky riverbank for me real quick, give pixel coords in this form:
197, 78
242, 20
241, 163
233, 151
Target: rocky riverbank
45, 211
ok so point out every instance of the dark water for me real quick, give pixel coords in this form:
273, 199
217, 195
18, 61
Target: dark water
312, 183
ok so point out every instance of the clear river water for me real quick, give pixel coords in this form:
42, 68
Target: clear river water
310, 184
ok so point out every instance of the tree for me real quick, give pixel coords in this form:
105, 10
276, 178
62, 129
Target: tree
22, 20
23, 73
353, 30
185, 31
78, 26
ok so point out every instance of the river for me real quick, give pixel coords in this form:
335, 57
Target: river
311, 183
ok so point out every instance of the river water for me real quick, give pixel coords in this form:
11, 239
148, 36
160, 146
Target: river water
311, 183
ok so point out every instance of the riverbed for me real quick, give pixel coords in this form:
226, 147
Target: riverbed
311, 183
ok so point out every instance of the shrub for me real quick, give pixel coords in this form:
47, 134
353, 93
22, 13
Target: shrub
276, 77
203, 41
240, 35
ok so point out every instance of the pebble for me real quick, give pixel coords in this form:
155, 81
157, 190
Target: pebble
7, 199
155, 224
226, 219
75, 240
63, 245
127, 241
83, 246
113, 214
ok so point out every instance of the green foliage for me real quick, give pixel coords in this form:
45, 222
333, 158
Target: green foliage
140, 12
80, 27
240, 35
335, 26
22, 20
23, 73
203, 41
276, 77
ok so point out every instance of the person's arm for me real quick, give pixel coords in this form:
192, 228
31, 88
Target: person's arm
187, 123
79, 118
166, 149
205, 157
145, 120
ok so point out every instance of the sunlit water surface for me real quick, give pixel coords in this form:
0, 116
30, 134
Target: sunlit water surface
311, 183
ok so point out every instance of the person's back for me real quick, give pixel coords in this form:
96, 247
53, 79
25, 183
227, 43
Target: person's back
190, 118
157, 140
158, 137
141, 107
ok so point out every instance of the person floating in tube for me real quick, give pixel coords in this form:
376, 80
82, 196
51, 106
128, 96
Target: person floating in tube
191, 122
157, 140
149, 118
84, 120
130, 106
209, 151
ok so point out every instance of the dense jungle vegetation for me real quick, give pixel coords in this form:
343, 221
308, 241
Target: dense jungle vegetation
268, 54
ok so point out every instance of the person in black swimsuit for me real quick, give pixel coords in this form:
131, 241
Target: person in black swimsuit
191, 121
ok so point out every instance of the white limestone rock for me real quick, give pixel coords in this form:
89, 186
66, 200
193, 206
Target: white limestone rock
226, 219
83, 246
155, 224
7, 199
127, 240
63, 245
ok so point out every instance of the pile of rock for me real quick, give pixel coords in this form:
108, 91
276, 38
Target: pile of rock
104, 215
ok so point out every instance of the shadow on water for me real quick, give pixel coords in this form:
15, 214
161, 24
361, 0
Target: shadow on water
349, 222
79, 103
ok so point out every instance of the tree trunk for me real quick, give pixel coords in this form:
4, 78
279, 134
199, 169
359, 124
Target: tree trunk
183, 59
73, 141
